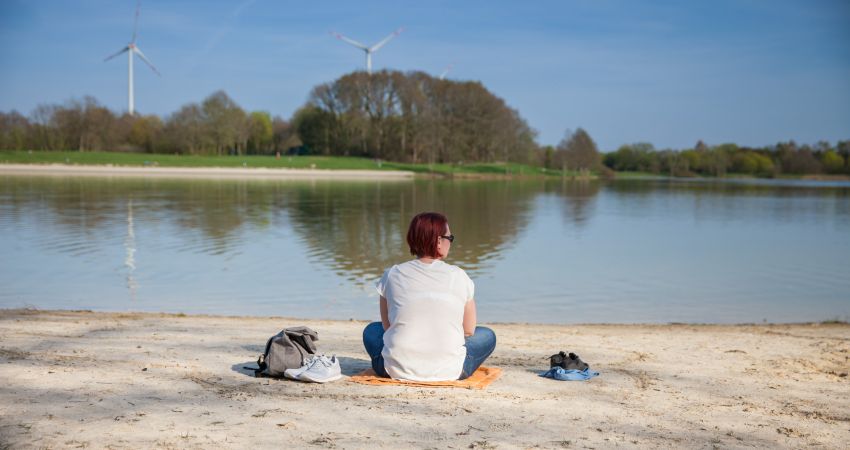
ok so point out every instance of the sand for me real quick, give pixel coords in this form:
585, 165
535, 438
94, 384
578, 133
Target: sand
114, 380
258, 173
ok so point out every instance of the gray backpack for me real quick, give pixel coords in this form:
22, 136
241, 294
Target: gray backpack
286, 350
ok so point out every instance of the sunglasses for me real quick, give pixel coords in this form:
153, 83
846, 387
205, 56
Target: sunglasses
450, 237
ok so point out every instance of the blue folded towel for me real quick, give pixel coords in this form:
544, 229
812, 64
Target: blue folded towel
559, 373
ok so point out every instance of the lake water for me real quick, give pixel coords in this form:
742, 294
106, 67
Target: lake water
553, 251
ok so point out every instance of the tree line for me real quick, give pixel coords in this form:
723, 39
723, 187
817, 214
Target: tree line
406, 117
216, 126
394, 116
787, 158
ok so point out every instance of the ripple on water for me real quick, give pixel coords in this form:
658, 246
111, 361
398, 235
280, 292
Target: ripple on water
620, 252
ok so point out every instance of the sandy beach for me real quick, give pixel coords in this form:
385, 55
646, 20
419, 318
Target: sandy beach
139, 380
259, 173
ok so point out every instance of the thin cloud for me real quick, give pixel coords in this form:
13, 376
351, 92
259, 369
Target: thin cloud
217, 37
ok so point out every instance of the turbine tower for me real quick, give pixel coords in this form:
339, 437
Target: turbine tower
131, 49
368, 50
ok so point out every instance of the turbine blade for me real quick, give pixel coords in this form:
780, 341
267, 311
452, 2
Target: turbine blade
446, 71
350, 41
117, 53
136, 20
386, 39
142, 56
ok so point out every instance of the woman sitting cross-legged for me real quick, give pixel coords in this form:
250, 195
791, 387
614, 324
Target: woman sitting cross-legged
427, 330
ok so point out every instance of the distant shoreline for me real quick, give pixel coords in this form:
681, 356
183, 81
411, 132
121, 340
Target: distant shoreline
259, 173
365, 167
164, 314
155, 170
254, 173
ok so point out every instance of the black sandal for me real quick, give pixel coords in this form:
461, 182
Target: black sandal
567, 361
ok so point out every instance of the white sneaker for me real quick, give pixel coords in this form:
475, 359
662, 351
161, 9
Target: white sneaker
306, 364
322, 370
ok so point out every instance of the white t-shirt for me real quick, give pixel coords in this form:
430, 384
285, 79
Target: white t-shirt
425, 341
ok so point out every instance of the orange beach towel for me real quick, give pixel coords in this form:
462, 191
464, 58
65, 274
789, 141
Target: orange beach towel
479, 380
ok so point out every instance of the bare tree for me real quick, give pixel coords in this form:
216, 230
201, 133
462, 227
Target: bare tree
577, 151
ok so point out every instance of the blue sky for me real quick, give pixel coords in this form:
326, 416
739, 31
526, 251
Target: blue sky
666, 72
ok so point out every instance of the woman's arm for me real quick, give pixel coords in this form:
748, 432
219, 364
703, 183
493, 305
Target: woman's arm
385, 315
469, 318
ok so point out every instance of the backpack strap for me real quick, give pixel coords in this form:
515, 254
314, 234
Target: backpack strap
261, 361
261, 366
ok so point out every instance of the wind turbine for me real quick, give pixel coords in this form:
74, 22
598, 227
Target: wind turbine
446, 71
368, 50
131, 49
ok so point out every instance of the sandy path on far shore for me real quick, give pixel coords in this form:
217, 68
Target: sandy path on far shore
113, 380
259, 173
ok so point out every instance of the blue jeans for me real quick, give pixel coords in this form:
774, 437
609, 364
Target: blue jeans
478, 347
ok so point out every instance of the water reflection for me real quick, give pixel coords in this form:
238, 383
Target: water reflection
592, 251
781, 201
359, 229
579, 198
130, 246
355, 228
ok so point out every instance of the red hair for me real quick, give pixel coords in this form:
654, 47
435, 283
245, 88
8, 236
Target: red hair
424, 233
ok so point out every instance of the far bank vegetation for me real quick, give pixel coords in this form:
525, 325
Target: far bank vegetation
392, 116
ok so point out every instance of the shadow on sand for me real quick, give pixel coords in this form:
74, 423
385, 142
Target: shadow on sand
349, 366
